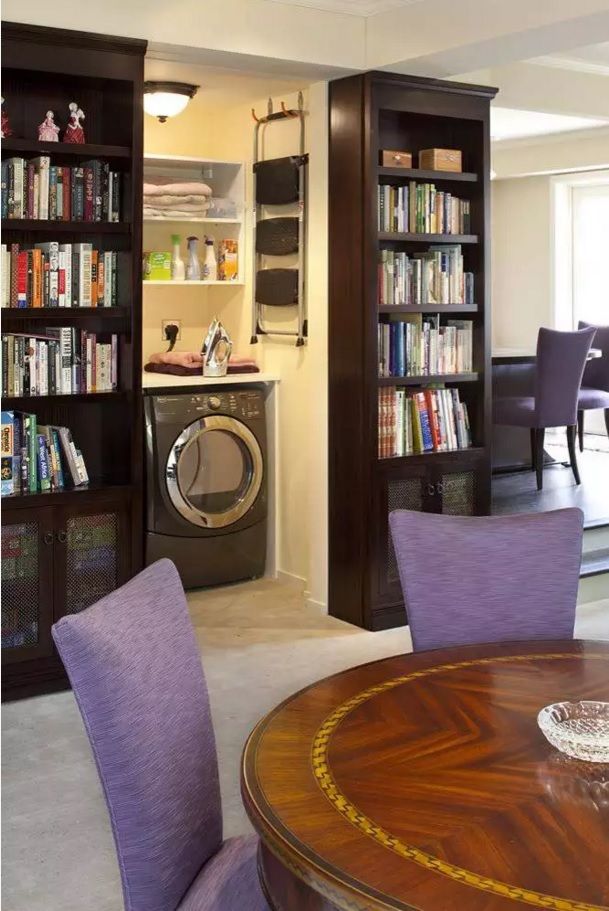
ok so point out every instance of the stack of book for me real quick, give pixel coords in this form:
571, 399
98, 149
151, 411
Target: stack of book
38, 458
419, 208
63, 361
432, 420
59, 275
435, 276
37, 189
415, 347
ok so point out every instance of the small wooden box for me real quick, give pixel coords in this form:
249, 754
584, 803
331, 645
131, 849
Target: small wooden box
392, 159
440, 159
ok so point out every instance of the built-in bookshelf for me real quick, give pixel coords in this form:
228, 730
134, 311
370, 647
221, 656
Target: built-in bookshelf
409, 258
71, 327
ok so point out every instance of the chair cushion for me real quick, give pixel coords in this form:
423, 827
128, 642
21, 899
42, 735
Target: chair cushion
592, 398
229, 881
517, 411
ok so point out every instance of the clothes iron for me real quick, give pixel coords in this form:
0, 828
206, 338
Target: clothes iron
216, 350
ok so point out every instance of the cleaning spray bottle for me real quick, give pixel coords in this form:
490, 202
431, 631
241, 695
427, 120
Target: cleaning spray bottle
178, 271
193, 267
210, 264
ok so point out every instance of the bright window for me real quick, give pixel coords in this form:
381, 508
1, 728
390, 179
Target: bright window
590, 252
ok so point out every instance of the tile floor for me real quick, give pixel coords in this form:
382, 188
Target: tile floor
259, 644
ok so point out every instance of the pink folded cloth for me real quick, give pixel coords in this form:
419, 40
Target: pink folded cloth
190, 363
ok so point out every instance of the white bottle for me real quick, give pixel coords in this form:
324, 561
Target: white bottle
178, 270
210, 263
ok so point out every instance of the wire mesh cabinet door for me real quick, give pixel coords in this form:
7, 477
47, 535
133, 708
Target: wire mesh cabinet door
27, 584
92, 555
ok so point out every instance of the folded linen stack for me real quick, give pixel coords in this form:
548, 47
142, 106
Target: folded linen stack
176, 199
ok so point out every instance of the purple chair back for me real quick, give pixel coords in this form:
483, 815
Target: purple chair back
135, 669
489, 578
596, 371
561, 358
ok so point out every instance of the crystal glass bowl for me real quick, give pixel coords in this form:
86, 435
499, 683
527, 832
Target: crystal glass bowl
579, 729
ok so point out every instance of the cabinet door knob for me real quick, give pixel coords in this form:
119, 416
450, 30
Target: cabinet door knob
62, 537
431, 490
48, 537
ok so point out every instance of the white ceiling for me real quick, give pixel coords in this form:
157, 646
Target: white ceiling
351, 7
509, 123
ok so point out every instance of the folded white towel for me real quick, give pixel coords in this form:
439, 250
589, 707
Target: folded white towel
172, 201
168, 214
187, 188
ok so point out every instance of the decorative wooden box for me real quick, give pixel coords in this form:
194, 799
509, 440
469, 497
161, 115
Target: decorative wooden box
440, 159
392, 159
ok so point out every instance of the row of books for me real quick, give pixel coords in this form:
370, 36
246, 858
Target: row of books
424, 347
410, 423
63, 361
435, 276
37, 189
418, 208
59, 275
37, 458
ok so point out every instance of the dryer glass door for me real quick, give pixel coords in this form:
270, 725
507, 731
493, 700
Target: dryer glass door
214, 471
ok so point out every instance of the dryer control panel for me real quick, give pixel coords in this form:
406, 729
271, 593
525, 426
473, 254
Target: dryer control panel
243, 403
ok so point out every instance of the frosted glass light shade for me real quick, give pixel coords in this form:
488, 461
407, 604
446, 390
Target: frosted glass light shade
166, 99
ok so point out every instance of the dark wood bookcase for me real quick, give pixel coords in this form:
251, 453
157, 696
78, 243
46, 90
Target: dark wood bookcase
370, 112
63, 550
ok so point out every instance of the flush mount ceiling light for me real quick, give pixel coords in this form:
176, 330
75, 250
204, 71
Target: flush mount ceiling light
166, 99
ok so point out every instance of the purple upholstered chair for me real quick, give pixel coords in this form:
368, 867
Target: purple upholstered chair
135, 668
561, 357
488, 578
594, 392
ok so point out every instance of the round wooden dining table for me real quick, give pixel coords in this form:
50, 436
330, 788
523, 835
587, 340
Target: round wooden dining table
423, 782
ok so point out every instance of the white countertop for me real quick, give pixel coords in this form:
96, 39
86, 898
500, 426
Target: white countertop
164, 380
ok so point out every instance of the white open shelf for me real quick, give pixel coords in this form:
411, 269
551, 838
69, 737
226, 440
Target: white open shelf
227, 180
172, 283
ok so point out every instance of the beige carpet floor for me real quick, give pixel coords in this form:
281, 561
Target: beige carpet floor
259, 644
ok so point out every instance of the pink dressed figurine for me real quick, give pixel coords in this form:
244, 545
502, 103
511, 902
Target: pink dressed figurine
74, 132
48, 130
6, 127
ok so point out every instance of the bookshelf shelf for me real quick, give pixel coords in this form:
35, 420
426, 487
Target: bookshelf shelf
67, 227
44, 314
67, 548
61, 497
16, 146
369, 113
396, 237
422, 175
422, 458
22, 402
423, 380
444, 309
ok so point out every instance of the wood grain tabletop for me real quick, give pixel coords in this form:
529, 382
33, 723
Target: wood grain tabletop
423, 781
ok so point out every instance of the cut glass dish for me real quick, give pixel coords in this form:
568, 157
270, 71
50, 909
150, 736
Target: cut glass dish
579, 729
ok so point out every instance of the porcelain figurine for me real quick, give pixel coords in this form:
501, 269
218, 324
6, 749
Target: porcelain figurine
74, 132
48, 131
6, 127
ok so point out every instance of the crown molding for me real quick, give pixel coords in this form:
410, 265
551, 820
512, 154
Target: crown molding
571, 63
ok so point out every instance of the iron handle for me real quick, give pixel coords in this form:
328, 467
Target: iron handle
62, 537
48, 537
440, 487
431, 490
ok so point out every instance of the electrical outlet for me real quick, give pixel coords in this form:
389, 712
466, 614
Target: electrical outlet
171, 322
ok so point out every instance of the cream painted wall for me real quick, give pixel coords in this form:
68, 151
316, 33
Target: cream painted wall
226, 132
521, 260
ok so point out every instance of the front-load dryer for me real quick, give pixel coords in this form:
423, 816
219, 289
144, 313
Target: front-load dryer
206, 456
